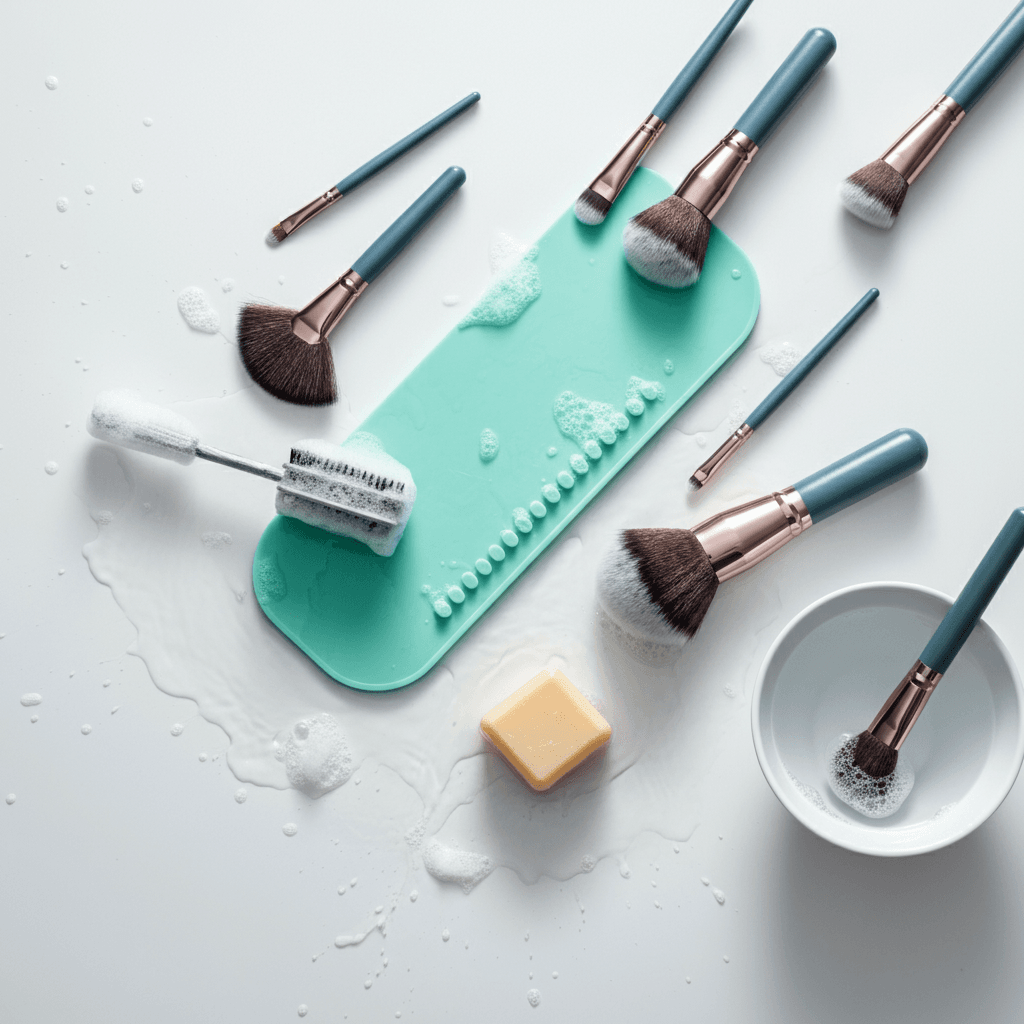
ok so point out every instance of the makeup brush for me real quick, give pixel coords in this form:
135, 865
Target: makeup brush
876, 192
279, 232
779, 394
659, 584
666, 243
286, 350
596, 200
879, 745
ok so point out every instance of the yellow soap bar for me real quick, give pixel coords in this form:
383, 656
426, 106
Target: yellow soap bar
545, 729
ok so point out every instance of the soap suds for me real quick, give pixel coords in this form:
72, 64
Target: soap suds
588, 423
30, 700
517, 285
874, 798
637, 389
488, 444
315, 755
197, 312
811, 795
781, 358
462, 867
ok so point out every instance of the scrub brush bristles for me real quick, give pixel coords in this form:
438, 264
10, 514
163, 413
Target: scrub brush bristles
281, 363
873, 757
875, 194
666, 243
591, 208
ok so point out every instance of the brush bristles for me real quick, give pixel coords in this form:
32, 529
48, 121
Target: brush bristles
666, 243
591, 208
875, 194
276, 235
694, 484
281, 363
873, 757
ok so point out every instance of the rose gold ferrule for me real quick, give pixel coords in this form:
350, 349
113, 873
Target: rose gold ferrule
315, 322
740, 537
916, 146
722, 455
308, 212
904, 706
708, 185
611, 181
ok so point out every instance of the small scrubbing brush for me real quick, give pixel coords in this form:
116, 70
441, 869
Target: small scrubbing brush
878, 746
594, 203
666, 243
779, 394
659, 584
876, 192
279, 232
286, 350
355, 490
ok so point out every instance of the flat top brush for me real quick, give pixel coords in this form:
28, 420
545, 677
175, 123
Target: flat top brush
658, 584
666, 242
779, 394
596, 200
864, 771
286, 350
355, 490
280, 231
876, 192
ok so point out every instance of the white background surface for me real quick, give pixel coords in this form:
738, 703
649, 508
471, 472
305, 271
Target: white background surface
135, 888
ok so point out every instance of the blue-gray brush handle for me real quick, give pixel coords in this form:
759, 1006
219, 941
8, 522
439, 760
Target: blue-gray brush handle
867, 470
990, 61
402, 232
968, 608
392, 153
792, 379
700, 61
795, 76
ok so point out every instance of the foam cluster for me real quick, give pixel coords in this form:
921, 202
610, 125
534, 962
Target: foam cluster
517, 285
124, 418
196, 310
315, 755
874, 798
588, 423
462, 867
356, 490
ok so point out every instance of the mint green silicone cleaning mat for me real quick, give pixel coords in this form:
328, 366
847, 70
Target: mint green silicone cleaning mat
369, 621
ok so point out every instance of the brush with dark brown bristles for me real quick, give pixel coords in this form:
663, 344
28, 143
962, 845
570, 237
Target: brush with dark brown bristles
286, 351
876, 192
659, 584
877, 751
596, 200
666, 243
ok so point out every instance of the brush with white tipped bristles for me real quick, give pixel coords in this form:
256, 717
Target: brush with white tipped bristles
659, 584
666, 243
876, 192
596, 200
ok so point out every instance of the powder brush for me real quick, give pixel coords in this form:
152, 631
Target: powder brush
658, 584
876, 192
596, 200
778, 395
666, 242
879, 745
280, 231
286, 350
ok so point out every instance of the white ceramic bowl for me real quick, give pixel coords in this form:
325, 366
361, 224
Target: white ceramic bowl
829, 672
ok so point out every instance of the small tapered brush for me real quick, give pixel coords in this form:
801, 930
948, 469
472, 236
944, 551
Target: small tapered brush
666, 243
658, 584
280, 231
779, 394
596, 199
876, 192
878, 747
286, 351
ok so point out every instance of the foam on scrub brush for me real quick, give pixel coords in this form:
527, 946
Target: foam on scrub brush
124, 418
356, 490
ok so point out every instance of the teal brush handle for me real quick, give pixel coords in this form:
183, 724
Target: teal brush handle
700, 61
961, 619
405, 229
792, 379
392, 153
794, 77
990, 61
873, 467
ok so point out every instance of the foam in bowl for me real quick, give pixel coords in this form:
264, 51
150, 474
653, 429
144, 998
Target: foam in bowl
874, 798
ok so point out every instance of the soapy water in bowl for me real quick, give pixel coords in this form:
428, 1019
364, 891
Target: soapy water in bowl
874, 798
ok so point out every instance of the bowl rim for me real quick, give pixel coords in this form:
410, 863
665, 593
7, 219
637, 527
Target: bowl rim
986, 810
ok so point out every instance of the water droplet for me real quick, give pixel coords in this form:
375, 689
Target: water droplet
470, 581
64, 265
533, 997
701, 440
588, 863
509, 539
227, 284
624, 870
368, 983
86, 729
177, 729
725, 958
526, 937
34, 719
737, 274
675, 848
719, 896
552, 452
554, 974
669, 367
456, 594
63, 204
442, 608
137, 185
565, 479
202, 757
303, 1009
106, 682
51, 82
445, 935
551, 493
290, 829
413, 896
450, 300
280, 280
148, 122
705, 881
89, 189
30, 700
538, 508
352, 882
687, 979
398, 1013
240, 795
